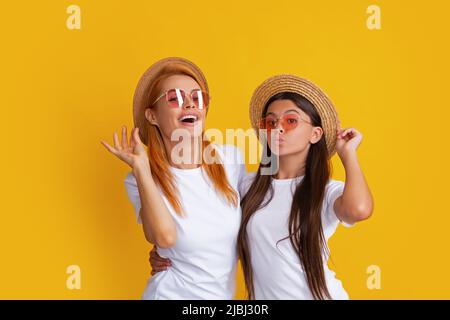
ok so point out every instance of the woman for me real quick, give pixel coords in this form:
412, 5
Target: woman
188, 205
288, 214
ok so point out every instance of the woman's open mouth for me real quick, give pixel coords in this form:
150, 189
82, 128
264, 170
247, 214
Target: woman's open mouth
188, 120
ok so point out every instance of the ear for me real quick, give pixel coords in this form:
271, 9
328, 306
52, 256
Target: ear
150, 116
316, 135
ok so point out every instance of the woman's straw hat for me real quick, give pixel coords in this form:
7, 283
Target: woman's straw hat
141, 94
305, 88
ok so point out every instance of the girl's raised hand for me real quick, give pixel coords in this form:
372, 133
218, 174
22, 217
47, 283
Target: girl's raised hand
132, 153
347, 141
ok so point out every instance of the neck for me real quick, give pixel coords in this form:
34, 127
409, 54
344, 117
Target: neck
189, 150
292, 165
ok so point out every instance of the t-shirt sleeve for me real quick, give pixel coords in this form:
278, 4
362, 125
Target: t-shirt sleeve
233, 157
246, 183
242, 171
333, 191
133, 194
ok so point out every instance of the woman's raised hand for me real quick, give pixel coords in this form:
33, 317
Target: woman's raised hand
132, 153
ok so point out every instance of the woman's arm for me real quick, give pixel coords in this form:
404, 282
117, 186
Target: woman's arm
159, 226
356, 203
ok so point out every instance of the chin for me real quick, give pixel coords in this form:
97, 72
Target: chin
191, 131
284, 150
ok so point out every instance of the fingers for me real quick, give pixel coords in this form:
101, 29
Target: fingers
110, 149
158, 263
123, 145
124, 137
132, 141
154, 256
346, 132
159, 268
350, 132
116, 141
136, 136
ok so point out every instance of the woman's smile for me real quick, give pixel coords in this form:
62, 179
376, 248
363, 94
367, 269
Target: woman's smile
189, 118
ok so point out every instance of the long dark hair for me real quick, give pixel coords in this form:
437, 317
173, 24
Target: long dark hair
305, 223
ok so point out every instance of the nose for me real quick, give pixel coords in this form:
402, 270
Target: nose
280, 127
188, 103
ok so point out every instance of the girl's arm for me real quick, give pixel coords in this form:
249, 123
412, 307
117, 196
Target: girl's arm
356, 203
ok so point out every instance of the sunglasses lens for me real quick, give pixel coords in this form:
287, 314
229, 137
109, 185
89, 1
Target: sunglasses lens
271, 122
175, 97
290, 121
200, 99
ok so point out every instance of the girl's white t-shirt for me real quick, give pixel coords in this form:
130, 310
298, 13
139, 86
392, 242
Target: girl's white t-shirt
204, 257
277, 271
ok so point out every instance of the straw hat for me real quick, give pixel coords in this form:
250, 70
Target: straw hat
305, 88
141, 94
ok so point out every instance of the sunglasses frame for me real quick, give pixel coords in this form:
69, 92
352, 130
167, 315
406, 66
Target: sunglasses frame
185, 94
263, 120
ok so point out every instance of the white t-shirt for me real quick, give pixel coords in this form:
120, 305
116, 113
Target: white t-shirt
277, 272
205, 255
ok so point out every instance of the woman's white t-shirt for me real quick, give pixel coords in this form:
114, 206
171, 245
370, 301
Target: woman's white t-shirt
277, 271
205, 255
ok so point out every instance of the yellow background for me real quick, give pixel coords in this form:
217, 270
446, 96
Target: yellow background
62, 91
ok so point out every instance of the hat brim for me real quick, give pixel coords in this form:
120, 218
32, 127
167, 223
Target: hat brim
305, 88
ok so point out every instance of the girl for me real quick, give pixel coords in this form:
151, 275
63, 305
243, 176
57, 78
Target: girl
189, 207
289, 214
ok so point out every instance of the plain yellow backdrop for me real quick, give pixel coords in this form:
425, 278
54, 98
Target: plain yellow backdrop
62, 91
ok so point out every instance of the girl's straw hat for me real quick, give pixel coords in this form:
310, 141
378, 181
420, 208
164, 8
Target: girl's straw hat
305, 88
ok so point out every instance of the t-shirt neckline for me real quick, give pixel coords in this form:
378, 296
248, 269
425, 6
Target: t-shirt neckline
287, 181
185, 171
